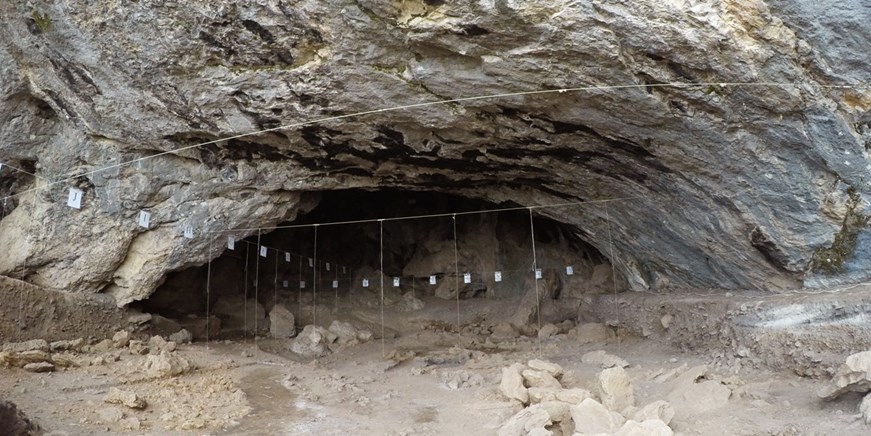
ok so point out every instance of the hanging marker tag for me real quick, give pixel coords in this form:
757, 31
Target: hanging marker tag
287, 257
396, 282
144, 218
432, 280
335, 284
497, 276
570, 271
344, 270
74, 200
188, 231
302, 284
365, 283
467, 278
311, 263
231, 243
285, 284
538, 273
262, 251
328, 266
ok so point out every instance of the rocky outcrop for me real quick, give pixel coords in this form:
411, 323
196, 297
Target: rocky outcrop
723, 186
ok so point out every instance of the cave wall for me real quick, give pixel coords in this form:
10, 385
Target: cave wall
720, 186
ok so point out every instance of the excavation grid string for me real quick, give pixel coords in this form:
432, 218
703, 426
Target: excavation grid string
315, 280
381, 275
457, 278
646, 86
613, 274
208, 293
256, 290
535, 279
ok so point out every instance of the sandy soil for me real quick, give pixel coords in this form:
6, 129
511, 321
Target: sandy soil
426, 382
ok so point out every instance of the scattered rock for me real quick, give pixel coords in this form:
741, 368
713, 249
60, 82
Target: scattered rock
547, 331
591, 417
615, 389
650, 427
110, 415
103, 346
540, 395
313, 341
31, 345
853, 376
157, 344
409, 303
525, 421
165, 365
345, 332
282, 323
120, 339
666, 320
125, 398
71, 345
512, 383
39, 367
461, 379
137, 347
660, 410
182, 336
603, 359
592, 332
551, 368
540, 379
573, 396
503, 331
131, 424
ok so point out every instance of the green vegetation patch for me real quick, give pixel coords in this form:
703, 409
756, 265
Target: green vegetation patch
831, 260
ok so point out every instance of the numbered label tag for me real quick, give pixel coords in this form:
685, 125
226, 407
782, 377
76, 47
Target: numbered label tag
285, 284
570, 271
188, 231
262, 251
432, 280
302, 284
74, 199
311, 262
335, 284
497, 276
231, 242
396, 282
328, 266
467, 278
538, 273
144, 219
365, 283
287, 257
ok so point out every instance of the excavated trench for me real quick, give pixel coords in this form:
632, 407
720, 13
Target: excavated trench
331, 256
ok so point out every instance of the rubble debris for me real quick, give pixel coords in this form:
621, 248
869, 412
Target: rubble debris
182, 336
125, 398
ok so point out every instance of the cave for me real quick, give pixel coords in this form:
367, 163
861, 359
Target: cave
340, 265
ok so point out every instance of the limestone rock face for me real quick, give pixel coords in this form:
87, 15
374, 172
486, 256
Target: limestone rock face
771, 180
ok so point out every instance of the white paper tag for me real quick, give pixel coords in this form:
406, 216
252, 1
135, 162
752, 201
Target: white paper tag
188, 231
311, 263
231, 242
1, 166
285, 284
335, 284
144, 218
570, 271
328, 266
344, 270
497, 276
396, 282
365, 283
467, 278
538, 273
74, 199
287, 257
262, 251
302, 284
432, 280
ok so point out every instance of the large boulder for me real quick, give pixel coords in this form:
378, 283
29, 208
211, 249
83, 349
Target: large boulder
282, 323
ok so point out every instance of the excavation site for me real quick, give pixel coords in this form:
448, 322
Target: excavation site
431, 217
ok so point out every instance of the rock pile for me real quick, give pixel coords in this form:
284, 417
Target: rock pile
316, 341
551, 409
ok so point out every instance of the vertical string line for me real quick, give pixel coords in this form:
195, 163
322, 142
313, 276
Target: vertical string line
457, 277
535, 278
275, 284
209, 292
245, 303
257, 286
613, 273
381, 277
315, 280
336, 288
299, 294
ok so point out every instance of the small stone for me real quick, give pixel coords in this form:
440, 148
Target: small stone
540, 395
110, 415
181, 337
137, 347
573, 396
39, 367
345, 332
524, 421
541, 379
31, 345
666, 321
125, 398
132, 424
512, 384
659, 410
591, 417
165, 365
551, 368
71, 345
603, 359
103, 346
547, 331
120, 339
651, 427
615, 389
156, 344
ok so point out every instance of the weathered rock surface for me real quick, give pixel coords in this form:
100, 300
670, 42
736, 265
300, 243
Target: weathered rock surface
165, 364
282, 323
771, 179
512, 383
14, 422
615, 389
853, 376
124, 398
591, 417
313, 341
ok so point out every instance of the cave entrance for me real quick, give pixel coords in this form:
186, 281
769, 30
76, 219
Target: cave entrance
326, 265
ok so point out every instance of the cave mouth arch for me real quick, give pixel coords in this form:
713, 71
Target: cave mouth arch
330, 257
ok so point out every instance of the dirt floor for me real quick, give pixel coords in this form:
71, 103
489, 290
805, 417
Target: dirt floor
425, 382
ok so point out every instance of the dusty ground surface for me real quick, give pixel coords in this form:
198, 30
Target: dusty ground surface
426, 382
